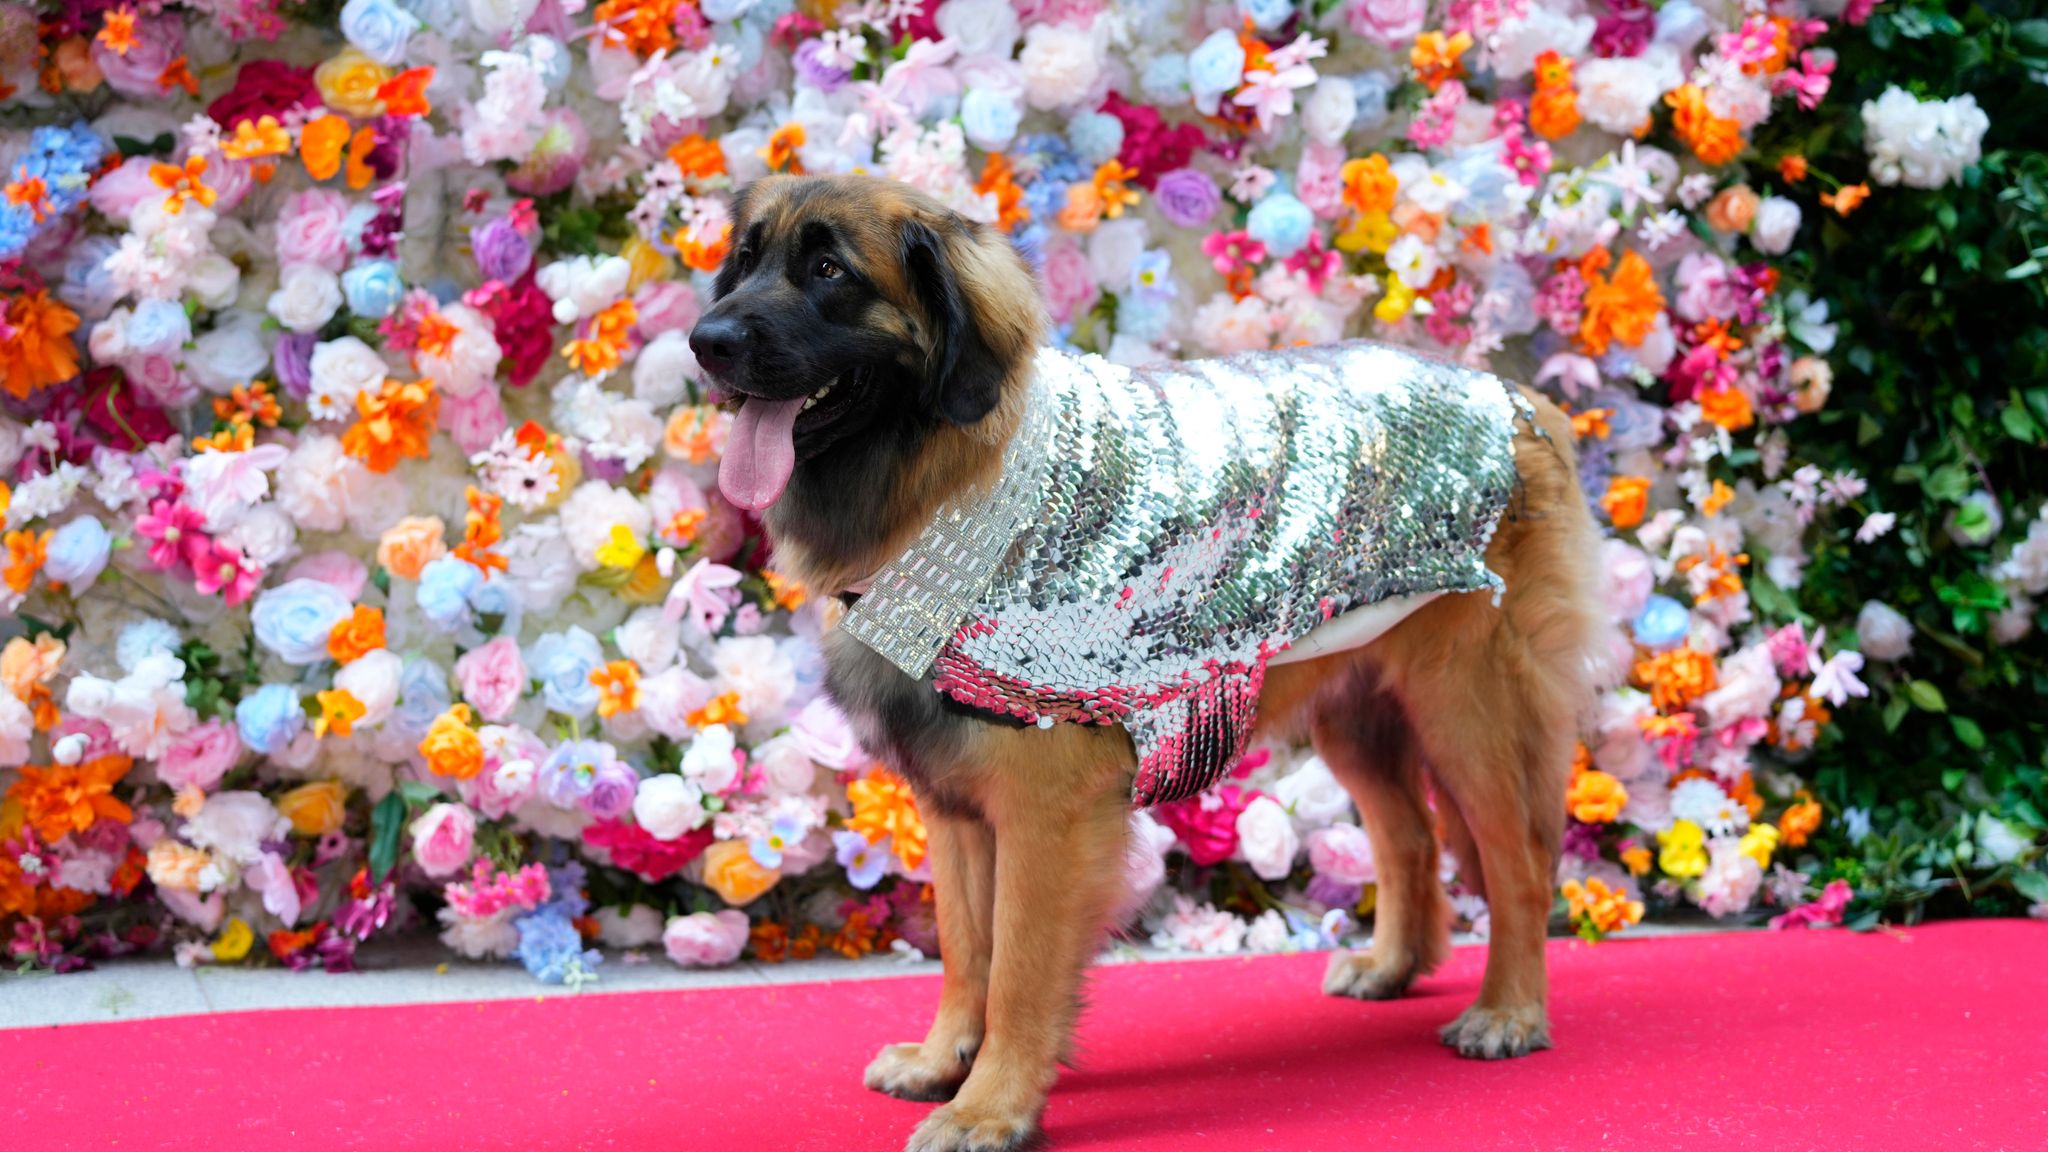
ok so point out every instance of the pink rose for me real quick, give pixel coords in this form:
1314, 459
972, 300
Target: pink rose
309, 229
158, 378
200, 756
1390, 22
139, 72
1706, 290
1628, 578
1207, 824
1342, 854
706, 939
512, 759
666, 306
473, 421
116, 194
443, 838
493, 678
1069, 288
1319, 181
344, 572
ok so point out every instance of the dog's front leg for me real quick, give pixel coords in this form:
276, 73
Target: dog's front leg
1059, 868
963, 856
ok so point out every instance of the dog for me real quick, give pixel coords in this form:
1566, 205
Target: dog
882, 349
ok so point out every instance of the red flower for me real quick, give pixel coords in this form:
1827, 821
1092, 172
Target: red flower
1152, 146
264, 88
630, 847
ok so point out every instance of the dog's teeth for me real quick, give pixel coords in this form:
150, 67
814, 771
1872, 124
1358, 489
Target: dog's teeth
820, 393
809, 403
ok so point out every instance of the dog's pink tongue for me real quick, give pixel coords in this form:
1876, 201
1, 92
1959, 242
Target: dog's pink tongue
760, 452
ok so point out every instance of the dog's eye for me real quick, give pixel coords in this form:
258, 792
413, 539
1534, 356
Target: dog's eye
829, 269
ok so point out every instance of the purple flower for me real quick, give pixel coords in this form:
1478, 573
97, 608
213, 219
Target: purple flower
814, 72
293, 359
865, 863
502, 253
1187, 198
611, 792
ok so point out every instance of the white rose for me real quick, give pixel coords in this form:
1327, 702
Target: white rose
340, 369
1061, 65
662, 374
668, 805
1617, 94
979, 27
1775, 223
709, 762
1114, 247
1266, 837
1331, 107
494, 18
229, 356
264, 534
213, 280
757, 669
307, 297
785, 768
372, 679
1885, 634
1313, 794
1521, 40
17, 728
591, 511
637, 927
650, 639
234, 825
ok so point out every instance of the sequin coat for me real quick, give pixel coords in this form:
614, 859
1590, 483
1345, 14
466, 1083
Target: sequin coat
1158, 535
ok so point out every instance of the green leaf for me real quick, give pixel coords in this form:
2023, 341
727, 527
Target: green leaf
2018, 423
1968, 732
386, 820
1926, 696
1952, 779
1895, 710
418, 792
2032, 885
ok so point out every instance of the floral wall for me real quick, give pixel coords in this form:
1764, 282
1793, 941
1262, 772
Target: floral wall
365, 571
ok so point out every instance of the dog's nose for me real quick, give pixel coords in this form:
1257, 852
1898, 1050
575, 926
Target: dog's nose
718, 341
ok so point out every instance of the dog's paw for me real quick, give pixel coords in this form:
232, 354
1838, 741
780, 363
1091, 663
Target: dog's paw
956, 1129
1498, 1033
905, 1072
1359, 976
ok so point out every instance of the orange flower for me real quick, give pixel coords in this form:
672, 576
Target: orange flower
1595, 797
1792, 169
1847, 200
38, 352
1592, 422
451, 746
1714, 139
1626, 499
481, 530
604, 340
1799, 822
31, 192
1112, 187
883, 806
59, 799
1083, 210
1554, 110
1623, 308
998, 179
25, 554
1553, 70
704, 256
339, 710
357, 171
618, 686
436, 335
780, 152
1435, 57
183, 184
258, 137
1602, 909
249, 403
731, 871
1369, 185
320, 146
723, 708
642, 27
698, 157
1720, 497
1636, 859
178, 74
118, 32
789, 594
406, 93
25, 665
1678, 677
410, 545
394, 422
1733, 209
362, 632
1727, 407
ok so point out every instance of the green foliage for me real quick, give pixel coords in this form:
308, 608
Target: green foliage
1940, 396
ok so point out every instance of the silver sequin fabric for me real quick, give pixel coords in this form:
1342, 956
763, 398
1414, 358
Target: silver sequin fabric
1158, 534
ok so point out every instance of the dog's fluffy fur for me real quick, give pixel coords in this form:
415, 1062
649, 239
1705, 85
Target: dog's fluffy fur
1459, 722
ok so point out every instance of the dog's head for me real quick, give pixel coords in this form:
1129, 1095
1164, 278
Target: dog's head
850, 306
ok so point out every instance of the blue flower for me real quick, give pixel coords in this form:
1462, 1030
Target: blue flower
1166, 77
422, 695
1266, 15
1373, 92
373, 288
1280, 222
1662, 623
77, 553
295, 619
990, 117
64, 159
563, 662
724, 10
552, 949
378, 27
1143, 317
1216, 65
1096, 137
865, 863
159, 327
270, 718
573, 769
445, 588
488, 597
785, 833
1152, 275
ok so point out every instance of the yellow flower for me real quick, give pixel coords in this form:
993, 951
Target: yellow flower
1595, 797
339, 711
315, 809
1369, 232
1395, 303
1602, 909
349, 81
731, 871
1636, 859
1758, 843
234, 942
623, 550
1682, 850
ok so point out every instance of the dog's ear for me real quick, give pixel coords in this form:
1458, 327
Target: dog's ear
983, 308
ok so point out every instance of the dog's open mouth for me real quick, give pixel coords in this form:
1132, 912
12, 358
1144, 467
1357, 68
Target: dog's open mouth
770, 437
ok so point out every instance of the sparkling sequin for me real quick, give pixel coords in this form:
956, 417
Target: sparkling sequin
1158, 535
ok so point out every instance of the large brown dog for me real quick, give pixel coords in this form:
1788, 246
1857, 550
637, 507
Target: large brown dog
898, 338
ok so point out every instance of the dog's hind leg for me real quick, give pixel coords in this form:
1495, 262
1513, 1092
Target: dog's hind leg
1365, 738
962, 850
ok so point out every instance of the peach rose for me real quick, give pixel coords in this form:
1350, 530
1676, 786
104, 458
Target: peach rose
23, 665
1733, 209
348, 83
75, 65
412, 544
315, 809
731, 871
177, 866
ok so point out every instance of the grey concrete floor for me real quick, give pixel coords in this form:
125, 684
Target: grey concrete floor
420, 971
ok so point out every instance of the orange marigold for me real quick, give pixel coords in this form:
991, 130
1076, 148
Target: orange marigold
392, 423
1434, 57
59, 799
1714, 139
1727, 407
1847, 200
1623, 307
38, 351
723, 708
362, 632
883, 806
1678, 677
1800, 821
1626, 500
642, 27
780, 152
339, 711
999, 180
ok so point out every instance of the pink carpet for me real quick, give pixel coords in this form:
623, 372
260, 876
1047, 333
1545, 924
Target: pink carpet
1935, 1038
